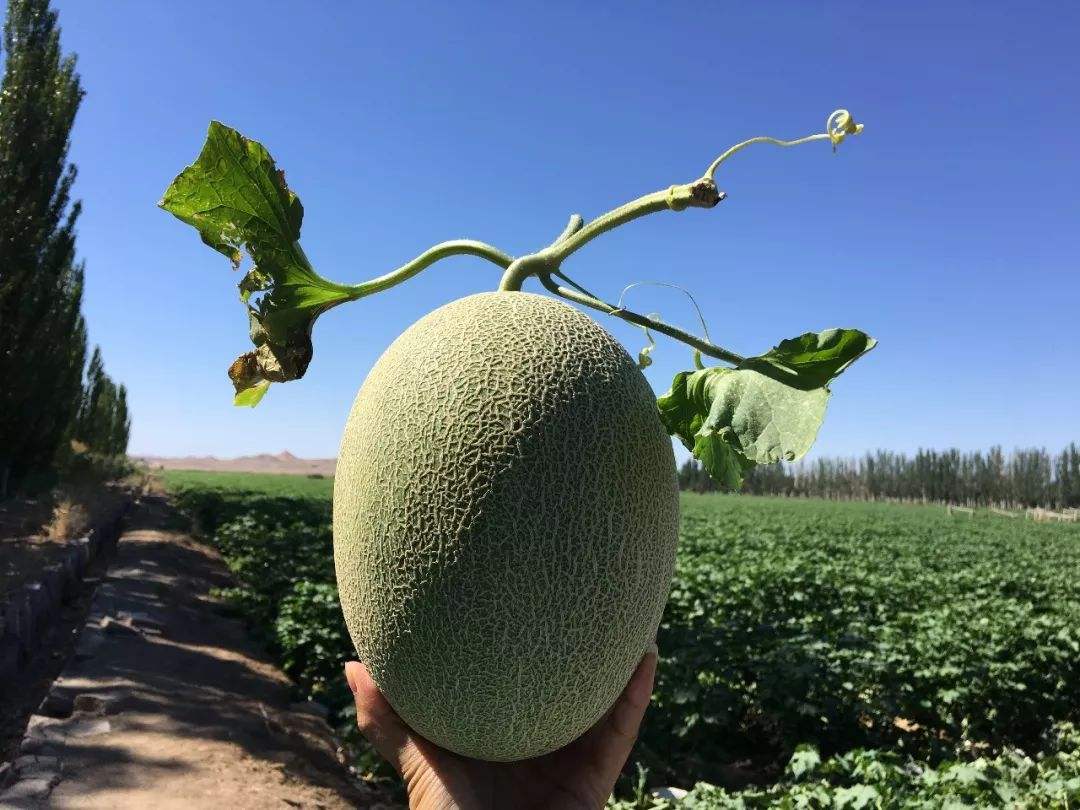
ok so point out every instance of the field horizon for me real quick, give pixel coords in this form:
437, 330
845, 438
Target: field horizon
283, 462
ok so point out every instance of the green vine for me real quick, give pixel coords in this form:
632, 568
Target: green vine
457, 247
237, 199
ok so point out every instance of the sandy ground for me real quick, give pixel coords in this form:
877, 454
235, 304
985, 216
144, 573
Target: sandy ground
167, 704
284, 462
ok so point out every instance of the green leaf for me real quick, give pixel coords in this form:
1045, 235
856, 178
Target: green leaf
813, 359
965, 775
237, 199
804, 761
733, 419
768, 409
721, 459
857, 797
249, 397
233, 194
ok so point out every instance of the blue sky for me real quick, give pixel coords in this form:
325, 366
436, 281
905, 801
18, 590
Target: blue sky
950, 230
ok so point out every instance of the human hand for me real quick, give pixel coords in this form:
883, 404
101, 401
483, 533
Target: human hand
580, 776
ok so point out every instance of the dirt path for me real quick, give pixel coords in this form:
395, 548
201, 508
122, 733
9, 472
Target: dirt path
167, 704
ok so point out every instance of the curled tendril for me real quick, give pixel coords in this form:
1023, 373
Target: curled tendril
839, 125
644, 357
701, 318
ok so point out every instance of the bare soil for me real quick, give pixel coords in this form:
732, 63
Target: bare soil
283, 462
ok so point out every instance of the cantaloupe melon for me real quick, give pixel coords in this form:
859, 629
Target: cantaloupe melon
505, 521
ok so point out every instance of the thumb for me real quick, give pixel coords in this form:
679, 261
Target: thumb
614, 736
376, 718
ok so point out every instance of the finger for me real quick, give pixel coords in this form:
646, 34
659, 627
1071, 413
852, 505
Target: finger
376, 718
618, 732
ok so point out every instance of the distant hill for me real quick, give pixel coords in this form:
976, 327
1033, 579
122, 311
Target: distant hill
283, 462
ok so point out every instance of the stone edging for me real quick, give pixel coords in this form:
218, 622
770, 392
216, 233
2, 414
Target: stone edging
29, 612
28, 615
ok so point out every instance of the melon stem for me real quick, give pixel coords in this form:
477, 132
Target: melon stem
456, 247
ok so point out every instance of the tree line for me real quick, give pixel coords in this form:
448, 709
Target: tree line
49, 395
1024, 477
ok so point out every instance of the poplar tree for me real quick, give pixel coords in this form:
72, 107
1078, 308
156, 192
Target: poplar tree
1025, 477
42, 332
103, 422
121, 424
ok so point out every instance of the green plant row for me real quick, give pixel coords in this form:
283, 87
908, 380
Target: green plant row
846, 627
862, 779
860, 625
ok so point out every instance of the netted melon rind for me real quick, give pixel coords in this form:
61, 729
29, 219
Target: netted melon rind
505, 519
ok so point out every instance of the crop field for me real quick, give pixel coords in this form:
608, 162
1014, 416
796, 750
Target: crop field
812, 653
234, 483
